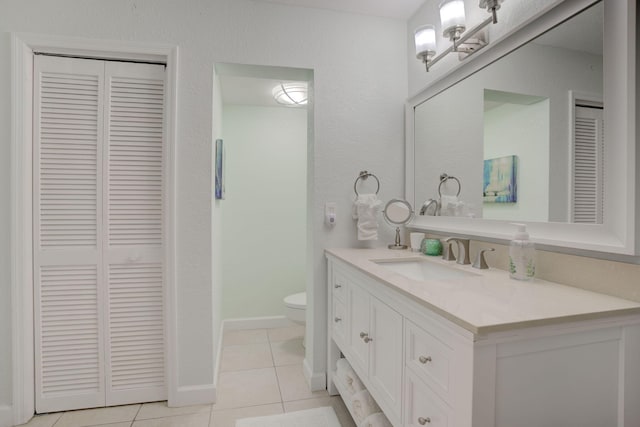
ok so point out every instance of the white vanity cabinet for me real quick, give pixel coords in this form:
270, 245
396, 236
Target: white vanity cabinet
428, 367
373, 341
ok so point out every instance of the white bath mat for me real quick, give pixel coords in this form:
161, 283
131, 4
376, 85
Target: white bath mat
317, 417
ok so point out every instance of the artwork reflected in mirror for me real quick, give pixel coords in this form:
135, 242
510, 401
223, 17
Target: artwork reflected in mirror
541, 106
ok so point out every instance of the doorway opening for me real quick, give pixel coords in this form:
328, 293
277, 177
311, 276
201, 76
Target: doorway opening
264, 221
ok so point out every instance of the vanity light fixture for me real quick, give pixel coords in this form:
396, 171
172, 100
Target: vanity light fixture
291, 94
452, 20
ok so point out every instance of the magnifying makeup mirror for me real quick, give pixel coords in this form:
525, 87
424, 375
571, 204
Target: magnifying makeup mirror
397, 212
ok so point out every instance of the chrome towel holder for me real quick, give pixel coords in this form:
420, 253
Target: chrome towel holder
444, 178
363, 175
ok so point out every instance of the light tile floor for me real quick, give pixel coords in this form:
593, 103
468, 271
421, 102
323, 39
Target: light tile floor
260, 374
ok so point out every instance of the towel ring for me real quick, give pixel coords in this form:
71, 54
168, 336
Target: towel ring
362, 176
444, 178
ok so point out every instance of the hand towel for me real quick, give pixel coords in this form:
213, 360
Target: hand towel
376, 420
363, 405
365, 210
449, 205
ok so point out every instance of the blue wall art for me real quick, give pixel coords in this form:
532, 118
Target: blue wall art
219, 190
500, 180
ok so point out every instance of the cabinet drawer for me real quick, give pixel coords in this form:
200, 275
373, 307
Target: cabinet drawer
339, 285
423, 407
339, 321
429, 358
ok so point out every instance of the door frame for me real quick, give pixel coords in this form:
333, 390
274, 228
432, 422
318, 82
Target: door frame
23, 46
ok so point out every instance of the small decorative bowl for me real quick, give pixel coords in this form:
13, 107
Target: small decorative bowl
432, 247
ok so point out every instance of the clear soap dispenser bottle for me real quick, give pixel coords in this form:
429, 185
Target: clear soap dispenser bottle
522, 255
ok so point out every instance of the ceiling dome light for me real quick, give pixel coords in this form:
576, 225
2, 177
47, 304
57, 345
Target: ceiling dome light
292, 94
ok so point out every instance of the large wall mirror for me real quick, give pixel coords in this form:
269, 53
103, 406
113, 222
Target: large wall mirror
544, 134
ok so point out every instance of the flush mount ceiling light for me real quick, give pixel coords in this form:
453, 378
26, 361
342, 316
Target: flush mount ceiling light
291, 94
452, 20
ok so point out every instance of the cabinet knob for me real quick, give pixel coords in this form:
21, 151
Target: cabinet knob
365, 337
337, 319
337, 286
422, 421
424, 360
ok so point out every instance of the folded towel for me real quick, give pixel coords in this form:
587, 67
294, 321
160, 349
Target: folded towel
376, 420
348, 377
365, 210
451, 206
363, 405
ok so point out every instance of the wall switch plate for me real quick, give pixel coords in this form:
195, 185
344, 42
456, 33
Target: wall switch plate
330, 213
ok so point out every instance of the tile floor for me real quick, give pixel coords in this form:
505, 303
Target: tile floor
260, 374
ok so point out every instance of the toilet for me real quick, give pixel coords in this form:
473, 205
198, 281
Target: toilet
295, 307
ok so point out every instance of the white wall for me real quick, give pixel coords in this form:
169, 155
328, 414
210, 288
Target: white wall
264, 212
522, 131
360, 79
216, 227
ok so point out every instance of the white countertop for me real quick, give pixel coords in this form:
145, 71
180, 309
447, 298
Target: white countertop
490, 301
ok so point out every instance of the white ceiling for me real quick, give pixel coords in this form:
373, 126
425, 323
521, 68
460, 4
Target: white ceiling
397, 9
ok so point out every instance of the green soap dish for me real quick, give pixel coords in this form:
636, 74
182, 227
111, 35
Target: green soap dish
432, 247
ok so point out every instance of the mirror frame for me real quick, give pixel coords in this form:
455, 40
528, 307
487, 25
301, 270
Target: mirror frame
619, 233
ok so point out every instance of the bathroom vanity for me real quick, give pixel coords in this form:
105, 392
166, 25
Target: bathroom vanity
441, 344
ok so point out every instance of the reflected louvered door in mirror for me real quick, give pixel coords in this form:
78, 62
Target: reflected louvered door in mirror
98, 233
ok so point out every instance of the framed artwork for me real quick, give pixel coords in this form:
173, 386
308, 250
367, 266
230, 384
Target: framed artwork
500, 180
219, 184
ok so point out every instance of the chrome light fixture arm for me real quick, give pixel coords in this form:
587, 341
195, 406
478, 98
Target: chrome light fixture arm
461, 45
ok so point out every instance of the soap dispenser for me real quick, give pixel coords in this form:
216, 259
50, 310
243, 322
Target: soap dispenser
522, 255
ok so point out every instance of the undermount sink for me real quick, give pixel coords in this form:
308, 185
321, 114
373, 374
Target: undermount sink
421, 269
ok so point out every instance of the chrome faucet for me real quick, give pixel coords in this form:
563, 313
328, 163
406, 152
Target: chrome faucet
480, 262
427, 204
463, 249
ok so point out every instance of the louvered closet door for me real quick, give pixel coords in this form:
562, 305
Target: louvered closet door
98, 233
134, 163
67, 200
588, 166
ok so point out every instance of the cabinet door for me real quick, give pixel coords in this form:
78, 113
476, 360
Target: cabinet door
358, 324
385, 357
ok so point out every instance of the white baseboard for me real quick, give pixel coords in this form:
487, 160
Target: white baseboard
317, 381
193, 395
256, 323
6, 416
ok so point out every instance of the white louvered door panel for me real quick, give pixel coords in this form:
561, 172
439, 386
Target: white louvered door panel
98, 233
588, 166
67, 200
134, 163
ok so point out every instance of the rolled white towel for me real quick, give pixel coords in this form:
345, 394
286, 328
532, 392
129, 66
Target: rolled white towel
353, 382
363, 405
348, 377
376, 420
343, 366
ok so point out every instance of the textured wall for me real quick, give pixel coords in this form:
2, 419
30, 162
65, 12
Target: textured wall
360, 79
